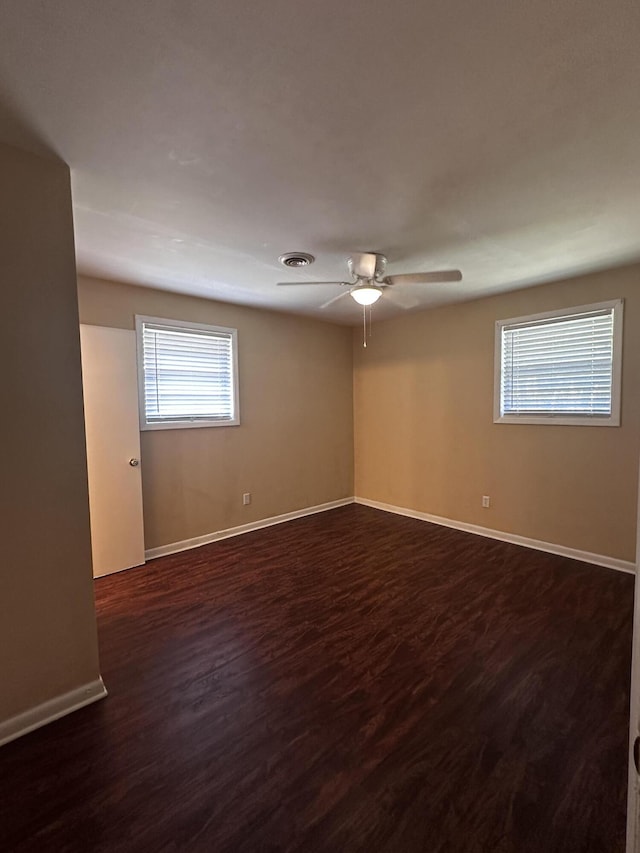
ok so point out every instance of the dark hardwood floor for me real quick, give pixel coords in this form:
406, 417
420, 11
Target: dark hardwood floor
352, 681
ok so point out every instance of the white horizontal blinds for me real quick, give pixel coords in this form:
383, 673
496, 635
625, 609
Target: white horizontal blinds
559, 366
188, 374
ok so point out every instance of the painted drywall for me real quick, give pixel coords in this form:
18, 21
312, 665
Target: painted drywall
294, 445
48, 643
425, 437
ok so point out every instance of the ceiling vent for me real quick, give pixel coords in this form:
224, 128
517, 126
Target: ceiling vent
296, 259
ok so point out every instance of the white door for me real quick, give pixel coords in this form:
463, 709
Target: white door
110, 378
633, 794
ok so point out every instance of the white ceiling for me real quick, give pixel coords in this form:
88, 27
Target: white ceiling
206, 137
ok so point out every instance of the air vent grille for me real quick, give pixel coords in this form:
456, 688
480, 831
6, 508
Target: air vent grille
296, 259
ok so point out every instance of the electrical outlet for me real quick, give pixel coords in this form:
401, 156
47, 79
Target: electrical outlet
486, 501
246, 499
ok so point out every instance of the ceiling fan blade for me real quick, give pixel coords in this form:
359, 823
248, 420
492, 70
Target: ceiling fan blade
400, 298
307, 283
336, 298
424, 277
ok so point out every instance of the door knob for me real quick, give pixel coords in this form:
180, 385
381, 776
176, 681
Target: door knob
134, 462
636, 754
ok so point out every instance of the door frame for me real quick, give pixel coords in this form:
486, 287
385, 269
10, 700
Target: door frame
633, 788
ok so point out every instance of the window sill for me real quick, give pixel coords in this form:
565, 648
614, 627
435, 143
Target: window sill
559, 420
188, 424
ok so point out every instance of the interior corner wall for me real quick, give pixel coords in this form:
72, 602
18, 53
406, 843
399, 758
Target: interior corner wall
294, 446
48, 641
425, 438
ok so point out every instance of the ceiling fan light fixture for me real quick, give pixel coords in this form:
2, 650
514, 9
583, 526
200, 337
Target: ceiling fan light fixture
366, 294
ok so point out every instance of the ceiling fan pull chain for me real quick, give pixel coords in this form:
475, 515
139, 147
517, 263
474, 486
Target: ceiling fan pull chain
364, 326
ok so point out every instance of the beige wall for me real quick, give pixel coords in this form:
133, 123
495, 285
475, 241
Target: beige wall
48, 642
424, 432
425, 437
294, 446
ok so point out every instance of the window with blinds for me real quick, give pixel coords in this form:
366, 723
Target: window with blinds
560, 367
187, 374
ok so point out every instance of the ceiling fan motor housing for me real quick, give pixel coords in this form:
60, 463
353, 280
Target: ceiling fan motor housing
367, 265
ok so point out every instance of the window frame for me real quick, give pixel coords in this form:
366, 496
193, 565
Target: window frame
617, 307
140, 321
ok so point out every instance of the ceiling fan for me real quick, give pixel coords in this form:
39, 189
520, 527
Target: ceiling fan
368, 279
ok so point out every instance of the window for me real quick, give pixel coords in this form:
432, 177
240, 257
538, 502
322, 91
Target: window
187, 374
563, 367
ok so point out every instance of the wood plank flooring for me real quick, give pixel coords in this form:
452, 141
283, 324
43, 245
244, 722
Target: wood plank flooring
351, 681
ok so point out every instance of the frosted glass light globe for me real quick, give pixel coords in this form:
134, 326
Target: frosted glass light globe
366, 294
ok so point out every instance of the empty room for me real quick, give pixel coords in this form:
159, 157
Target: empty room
321, 377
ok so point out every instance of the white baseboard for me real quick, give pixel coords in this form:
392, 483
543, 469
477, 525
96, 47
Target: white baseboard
51, 710
514, 539
186, 544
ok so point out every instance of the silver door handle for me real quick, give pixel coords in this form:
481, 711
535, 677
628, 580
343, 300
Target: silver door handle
134, 462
